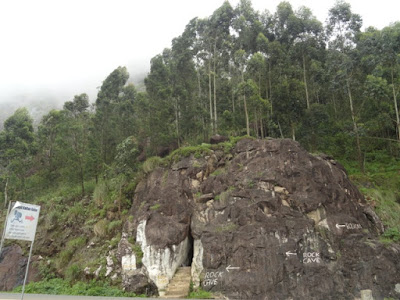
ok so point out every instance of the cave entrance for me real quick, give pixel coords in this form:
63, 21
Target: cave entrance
189, 258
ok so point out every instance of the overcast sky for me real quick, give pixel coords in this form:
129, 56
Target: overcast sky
70, 46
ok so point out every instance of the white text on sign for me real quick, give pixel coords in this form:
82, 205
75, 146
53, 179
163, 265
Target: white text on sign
311, 257
211, 278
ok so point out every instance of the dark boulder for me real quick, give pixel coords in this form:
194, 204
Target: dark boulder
216, 139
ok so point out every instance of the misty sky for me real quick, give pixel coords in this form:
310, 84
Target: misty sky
70, 46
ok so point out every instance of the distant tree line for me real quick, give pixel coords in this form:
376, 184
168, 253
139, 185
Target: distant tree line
332, 87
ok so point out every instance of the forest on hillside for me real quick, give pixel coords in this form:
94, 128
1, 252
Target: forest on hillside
332, 87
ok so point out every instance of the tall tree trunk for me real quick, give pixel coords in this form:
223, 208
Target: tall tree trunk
246, 114
233, 102
245, 109
82, 179
396, 108
262, 127
270, 86
215, 92
355, 127
256, 123
305, 82
293, 131
280, 130
177, 120
6, 193
209, 92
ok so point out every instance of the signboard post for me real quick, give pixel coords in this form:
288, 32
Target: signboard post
21, 223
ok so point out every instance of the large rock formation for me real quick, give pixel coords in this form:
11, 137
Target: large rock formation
265, 221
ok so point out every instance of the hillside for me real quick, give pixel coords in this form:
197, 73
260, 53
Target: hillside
260, 206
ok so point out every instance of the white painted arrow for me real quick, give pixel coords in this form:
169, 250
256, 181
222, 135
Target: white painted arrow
290, 253
231, 268
338, 226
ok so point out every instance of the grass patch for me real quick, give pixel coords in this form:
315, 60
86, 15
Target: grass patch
151, 164
380, 185
196, 151
199, 293
114, 227
59, 286
226, 227
155, 206
218, 172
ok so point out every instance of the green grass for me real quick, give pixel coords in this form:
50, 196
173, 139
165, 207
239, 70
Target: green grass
155, 206
380, 184
199, 293
151, 164
59, 286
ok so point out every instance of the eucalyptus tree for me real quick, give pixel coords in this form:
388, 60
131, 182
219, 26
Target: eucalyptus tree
389, 54
241, 60
343, 30
214, 41
308, 35
50, 133
159, 87
77, 135
107, 118
185, 95
220, 24
256, 67
18, 146
246, 25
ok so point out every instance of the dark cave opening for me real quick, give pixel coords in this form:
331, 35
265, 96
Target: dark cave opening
189, 258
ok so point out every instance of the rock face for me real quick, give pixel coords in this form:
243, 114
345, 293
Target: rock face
13, 266
265, 221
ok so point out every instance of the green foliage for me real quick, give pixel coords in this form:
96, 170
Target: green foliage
114, 226
100, 228
155, 206
127, 152
100, 194
218, 172
228, 227
152, 163
58, 286
199, 293
196, 151
392, 234
115, 240
138, 253
73, 272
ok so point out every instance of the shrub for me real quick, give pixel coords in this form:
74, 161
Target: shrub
73, 272
77, 243
100, 228
114, 226
137, 249
100, 194
151, 164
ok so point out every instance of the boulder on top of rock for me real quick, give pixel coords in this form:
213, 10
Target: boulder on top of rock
216, 139
270, 222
